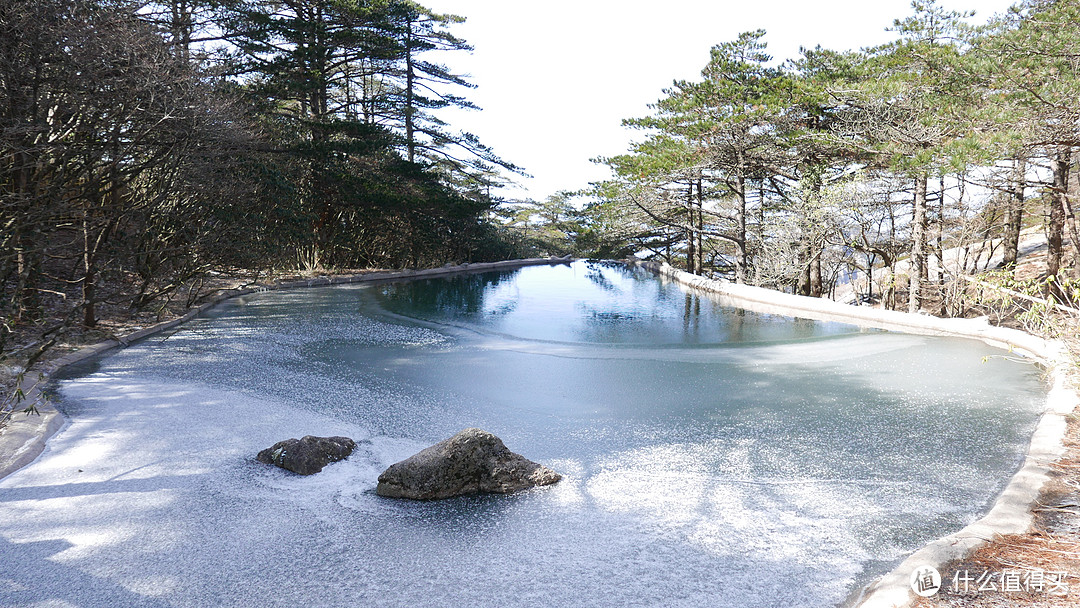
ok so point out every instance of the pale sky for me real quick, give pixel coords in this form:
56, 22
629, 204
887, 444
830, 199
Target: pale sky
555, 78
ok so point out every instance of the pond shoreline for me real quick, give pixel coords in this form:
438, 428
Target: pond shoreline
1011, 511
24, 438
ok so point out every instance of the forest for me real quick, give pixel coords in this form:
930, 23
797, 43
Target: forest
147, 146
885, 163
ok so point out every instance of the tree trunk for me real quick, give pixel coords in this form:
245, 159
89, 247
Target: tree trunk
917, 269
181, 24
1014, 218
1056, 226
25, 300
318, 112
1070, 217
869, 278
1074, 232
939, 234
803, 260
700, 203
815, 272
888, 294
410, 109
812, 245
89, 272
691, 238
939, 245
740, 243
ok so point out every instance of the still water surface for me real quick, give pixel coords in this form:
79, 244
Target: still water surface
712, 457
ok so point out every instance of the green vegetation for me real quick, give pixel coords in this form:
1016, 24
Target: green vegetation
143, 145
872, 164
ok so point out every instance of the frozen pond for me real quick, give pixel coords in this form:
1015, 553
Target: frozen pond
712, 457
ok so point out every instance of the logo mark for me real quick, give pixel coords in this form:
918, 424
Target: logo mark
925, 581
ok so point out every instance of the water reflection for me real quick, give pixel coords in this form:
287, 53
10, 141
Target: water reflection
595, 275
590, 302
691, 314
455, 296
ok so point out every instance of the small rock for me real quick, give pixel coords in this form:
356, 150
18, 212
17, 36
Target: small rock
473, 461
308, 455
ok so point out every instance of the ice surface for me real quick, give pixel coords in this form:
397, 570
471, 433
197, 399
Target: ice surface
711, 458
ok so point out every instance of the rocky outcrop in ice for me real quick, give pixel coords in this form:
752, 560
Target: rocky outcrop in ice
308, 455
473, 461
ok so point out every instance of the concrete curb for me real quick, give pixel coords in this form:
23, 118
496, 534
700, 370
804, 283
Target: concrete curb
1011, 513
23, 438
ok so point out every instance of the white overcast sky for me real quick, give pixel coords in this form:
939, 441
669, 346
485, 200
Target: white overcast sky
555, 78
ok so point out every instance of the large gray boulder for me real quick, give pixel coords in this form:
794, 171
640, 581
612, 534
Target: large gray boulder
470, 462
307, 455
